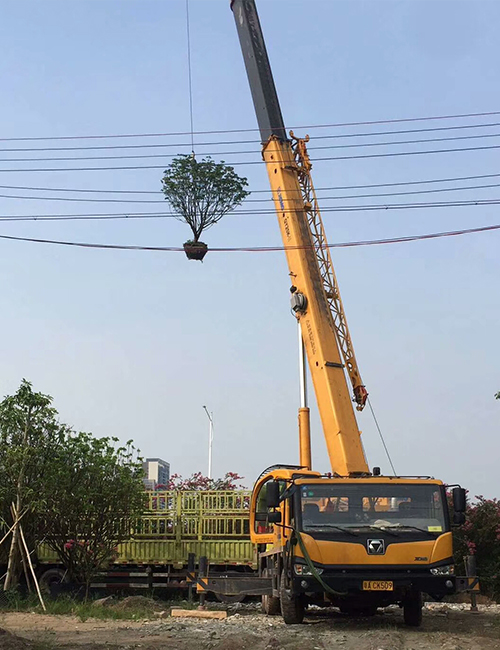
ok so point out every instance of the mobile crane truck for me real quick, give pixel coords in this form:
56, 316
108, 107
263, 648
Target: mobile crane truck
353, 538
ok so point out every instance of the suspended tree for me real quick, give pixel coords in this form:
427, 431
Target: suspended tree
200, 194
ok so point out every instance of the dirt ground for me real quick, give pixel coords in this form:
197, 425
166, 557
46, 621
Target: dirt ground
445, 627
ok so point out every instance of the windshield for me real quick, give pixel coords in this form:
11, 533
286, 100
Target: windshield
391, 507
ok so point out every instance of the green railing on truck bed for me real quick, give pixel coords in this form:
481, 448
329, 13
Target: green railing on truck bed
210, 523
200, 515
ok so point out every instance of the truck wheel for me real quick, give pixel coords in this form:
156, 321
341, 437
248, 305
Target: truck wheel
412, 609
292, 606
230, 600
52, 577
270, 604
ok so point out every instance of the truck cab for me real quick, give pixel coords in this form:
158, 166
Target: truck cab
356, 543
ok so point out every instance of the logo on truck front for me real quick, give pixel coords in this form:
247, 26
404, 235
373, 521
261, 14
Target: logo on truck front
375, 546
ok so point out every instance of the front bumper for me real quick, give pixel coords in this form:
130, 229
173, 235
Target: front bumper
351, 581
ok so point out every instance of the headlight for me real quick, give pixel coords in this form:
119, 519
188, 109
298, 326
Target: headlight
446, 570
302, 570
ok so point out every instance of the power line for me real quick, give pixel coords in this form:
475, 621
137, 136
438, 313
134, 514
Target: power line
268, 200
172, 215
256, 141
67, 189
253, 130
399, 142
255, 152
259, 249
266, 191
245, 162
253, 141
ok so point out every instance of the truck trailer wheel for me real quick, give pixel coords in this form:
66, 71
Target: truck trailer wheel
270, 604
292, 606
412, 609
51, 577
230, 600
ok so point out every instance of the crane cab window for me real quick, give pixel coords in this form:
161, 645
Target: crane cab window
354, 506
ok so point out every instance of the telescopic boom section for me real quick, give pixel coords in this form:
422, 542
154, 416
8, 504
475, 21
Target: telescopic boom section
315, 297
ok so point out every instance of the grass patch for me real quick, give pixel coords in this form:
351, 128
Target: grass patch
130, 609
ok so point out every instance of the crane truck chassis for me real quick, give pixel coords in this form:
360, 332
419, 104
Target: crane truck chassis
353, 538
355, 544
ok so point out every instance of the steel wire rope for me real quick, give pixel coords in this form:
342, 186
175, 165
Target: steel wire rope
261, 249
381, 436
190, 78
251, 130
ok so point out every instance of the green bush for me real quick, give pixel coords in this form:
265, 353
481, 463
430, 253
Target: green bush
480, 536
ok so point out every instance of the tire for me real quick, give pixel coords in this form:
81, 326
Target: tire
412, 609
270, 604
230, 600
292, 606
51, 577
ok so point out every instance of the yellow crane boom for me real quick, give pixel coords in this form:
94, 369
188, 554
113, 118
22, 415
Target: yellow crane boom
315, 295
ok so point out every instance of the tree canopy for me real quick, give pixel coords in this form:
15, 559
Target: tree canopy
76, 492
202, 192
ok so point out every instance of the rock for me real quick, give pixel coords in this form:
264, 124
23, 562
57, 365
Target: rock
103, 602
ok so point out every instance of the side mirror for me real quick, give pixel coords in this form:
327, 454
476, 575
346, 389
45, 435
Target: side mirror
458, 518
459, 500
273, 494
274, 517
261, 516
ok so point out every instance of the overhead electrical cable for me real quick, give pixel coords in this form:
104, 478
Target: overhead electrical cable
172, 215
255, 152
257, 142
252, 130
253, 141
234, 163
266, 191
268, 200
259, 249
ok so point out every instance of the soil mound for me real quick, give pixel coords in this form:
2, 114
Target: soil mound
9, 641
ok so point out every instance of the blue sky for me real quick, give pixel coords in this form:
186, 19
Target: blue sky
133, 344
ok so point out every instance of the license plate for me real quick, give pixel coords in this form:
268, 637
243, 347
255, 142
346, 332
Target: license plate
378, 585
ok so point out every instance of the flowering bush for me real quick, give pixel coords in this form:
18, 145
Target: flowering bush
480, 536
199, 482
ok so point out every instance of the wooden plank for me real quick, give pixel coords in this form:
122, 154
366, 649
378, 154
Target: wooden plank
197, 613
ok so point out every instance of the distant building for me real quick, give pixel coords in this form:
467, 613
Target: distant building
157, 472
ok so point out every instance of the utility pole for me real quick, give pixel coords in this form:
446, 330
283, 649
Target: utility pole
210, 440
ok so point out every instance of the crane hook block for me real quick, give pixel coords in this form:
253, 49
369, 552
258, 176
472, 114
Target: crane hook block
299, 303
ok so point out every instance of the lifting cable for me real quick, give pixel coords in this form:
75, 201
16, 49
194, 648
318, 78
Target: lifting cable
190, 78
381, 436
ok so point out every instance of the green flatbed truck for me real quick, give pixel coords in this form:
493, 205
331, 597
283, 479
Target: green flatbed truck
176, 527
